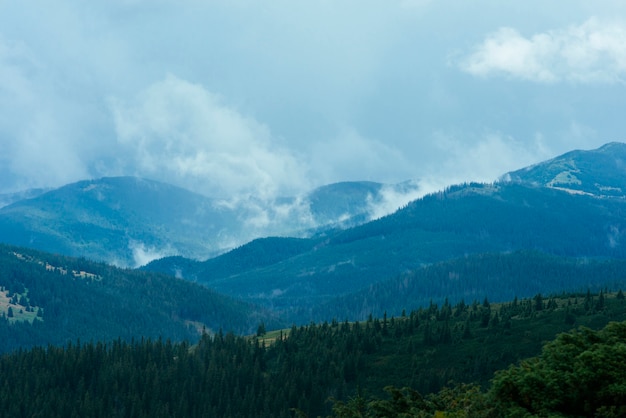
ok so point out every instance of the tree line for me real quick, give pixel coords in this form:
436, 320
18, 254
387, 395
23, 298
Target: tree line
323, 369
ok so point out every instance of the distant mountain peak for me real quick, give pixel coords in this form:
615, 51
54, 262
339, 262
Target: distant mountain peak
129, 221
613, 147
600, 172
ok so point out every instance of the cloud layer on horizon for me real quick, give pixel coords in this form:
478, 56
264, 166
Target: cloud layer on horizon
256, 99
178, 130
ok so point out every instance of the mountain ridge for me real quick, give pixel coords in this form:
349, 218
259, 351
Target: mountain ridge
72, 298
600, 172
129, 221
458, 221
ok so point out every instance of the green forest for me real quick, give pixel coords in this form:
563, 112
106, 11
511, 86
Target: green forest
543, 356
52, 299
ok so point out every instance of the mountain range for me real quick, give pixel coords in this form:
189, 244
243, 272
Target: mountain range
556, 226
53, 299
129, 221
526, 210
600, 172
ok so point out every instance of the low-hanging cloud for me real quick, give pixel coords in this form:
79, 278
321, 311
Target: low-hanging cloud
484, 160
272, 99
179, 132
393, 197
592, 52
352, 156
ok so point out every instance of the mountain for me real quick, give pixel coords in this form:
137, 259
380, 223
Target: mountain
51, 299
8, 198
462, 220
343, 369
130, 221
496, 276
119, 220
600, 172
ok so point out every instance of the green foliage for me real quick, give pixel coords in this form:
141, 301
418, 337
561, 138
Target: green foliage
110, 304
300, 279
580, 373
502, 277
299, 370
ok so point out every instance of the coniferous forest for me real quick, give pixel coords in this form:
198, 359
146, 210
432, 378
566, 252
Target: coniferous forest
436, 360
312, 209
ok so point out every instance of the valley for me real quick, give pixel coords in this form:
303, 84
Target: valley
454, 286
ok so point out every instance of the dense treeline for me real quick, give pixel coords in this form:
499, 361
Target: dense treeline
580, 374
303, 368
500, 277
103, 303
255, 254
506, 214
460, 221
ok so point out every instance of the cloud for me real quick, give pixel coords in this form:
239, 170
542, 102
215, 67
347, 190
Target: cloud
351, 156
34, 143
143, 255
484, 160
593, 52
16, 62
270, 98
179, 132
393, 197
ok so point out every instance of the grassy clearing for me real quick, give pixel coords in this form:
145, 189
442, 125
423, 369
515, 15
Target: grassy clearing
271, 337
19, 312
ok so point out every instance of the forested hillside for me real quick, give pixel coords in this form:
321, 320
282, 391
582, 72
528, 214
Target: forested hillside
598, 172
129, 221
500, 277
48, 299
464, 220
337, 368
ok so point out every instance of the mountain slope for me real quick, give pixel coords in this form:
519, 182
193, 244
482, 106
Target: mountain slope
54, 299
459, 221
499, 277
463, 220
8, 198
258, 253
118, 220
129, 221
599, 172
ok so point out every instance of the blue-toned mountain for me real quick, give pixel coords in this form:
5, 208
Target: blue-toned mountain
120, 220
130, 221
459, 221
52, 299
599, 172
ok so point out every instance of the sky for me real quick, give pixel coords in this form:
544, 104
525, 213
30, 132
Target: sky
276, 97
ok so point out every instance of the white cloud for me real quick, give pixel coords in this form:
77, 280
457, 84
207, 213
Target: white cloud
179, 132
143, 255
351, 156
393, 197
593, 52
483, 160
263, 89
16, 63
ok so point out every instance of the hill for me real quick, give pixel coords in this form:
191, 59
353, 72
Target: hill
122, 221
50, 299
600, 172
459, 221
500, 277
129, 221
8, 198
308, 369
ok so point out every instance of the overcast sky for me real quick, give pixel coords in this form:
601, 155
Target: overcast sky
279, 96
